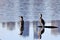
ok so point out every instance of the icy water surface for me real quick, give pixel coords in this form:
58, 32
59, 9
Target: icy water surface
11, 30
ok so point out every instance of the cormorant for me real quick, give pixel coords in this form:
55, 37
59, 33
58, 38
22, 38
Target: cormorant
42, 22
21, 25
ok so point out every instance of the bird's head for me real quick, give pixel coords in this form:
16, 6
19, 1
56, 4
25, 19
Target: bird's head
40, 16
21, 17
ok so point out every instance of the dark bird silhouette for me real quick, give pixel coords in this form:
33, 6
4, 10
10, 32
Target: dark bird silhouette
48, 26
42, 20
21, 25
43, 24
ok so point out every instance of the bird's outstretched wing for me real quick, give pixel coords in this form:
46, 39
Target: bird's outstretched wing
48, 26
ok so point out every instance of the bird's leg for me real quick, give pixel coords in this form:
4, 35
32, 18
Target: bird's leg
39, 34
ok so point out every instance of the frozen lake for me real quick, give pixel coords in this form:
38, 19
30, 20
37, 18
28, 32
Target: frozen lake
10, 31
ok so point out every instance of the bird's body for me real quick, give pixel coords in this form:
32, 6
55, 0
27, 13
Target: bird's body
42, 22
21, 25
